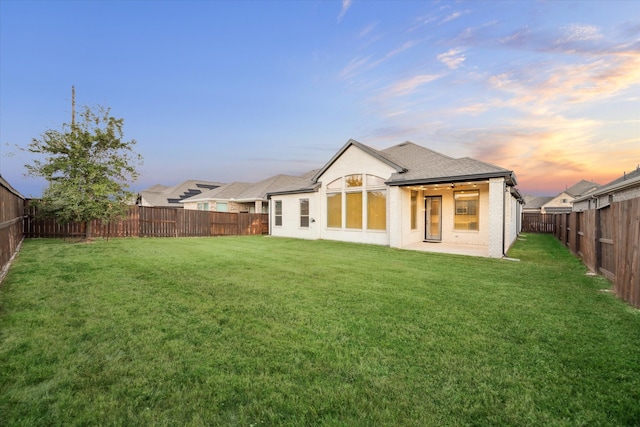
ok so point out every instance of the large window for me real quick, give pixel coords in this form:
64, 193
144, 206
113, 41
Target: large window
354, 210
304, 213
221, 207
334, 210
414, 210
353, 189
377, 210
466, 210
278, 213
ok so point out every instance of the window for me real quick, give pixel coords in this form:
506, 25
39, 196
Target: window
414, 210
374, 181
304, 213
203, 206
221, 206
354, 210
466, 210
334, 210
377, 210
353, 181
356, 188
278, 213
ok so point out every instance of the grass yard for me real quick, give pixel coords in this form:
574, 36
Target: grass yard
253, 331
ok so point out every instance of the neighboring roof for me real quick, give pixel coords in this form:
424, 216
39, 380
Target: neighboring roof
631, 179
581, 188
245, 192
624, 177
537, 202
163, 196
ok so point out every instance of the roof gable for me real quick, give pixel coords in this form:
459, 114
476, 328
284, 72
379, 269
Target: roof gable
372, 152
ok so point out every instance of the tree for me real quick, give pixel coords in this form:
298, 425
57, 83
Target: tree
88, 167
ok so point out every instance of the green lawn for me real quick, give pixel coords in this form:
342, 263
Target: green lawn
268, 331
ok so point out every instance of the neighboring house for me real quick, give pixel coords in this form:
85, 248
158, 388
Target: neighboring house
401, 196
624, 188
242, 196
534, 204
170, 197
563, 201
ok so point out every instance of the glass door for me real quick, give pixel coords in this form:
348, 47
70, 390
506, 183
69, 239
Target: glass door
432, 218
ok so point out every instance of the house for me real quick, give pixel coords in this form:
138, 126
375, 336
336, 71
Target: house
623, 188
562, 202
533, 204
402, 196
170, 197
243, 196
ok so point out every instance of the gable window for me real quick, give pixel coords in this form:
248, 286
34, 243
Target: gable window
278, 213
466, 210
221, 206
203, 206
352, 181
304, 213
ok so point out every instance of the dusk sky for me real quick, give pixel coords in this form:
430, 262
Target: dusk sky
243, 90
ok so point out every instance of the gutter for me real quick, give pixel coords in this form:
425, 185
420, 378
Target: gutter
452, 179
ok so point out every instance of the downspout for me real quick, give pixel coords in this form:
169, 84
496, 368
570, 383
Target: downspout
269, 210
504, 212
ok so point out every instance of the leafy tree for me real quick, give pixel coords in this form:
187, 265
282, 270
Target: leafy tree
88, 167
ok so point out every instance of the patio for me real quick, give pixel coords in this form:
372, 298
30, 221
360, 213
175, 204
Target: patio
449, 248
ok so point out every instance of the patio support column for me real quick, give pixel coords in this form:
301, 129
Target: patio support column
496, 217
394, 219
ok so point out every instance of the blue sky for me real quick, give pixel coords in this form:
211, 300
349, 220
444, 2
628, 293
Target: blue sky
243, 90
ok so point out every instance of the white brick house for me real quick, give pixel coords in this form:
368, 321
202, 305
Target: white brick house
400, 196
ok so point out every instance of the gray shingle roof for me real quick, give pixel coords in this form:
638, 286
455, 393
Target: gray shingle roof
163, 196
425, 165
625, 177
537, 202
246, 192
415, 164
581, 188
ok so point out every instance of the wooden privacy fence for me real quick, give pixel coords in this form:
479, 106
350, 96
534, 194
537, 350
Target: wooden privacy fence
607, 240
142, 221
535, 222
11, 215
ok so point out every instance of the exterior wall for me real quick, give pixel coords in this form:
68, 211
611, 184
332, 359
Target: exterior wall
497, 195
291, 216
557, 202
627, 194
513, 213
233, 207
